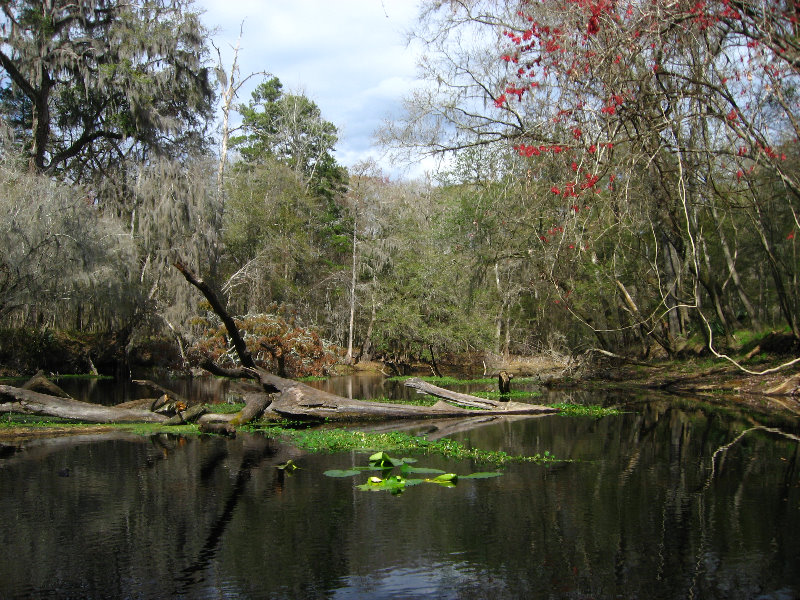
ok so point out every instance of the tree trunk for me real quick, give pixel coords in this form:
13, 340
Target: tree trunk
353, 291
734, 273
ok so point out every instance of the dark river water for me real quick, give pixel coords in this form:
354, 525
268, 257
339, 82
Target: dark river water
644, 509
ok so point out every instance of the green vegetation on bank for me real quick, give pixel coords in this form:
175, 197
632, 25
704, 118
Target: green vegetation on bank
448, 381
585, 410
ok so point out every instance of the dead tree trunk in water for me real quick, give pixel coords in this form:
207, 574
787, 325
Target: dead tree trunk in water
504, 383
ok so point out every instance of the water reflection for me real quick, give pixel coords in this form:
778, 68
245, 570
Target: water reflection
109, 392
635, 515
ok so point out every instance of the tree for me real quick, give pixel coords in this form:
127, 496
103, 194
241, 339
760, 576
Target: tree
289, 128
648, 126
89, 82
63, 264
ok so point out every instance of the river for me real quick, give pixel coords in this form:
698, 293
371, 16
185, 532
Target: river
649, 503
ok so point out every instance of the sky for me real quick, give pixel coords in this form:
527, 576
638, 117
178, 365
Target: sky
348, 56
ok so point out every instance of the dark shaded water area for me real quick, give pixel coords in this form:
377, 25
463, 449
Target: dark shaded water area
652, 505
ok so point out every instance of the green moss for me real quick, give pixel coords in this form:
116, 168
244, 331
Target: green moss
342, 440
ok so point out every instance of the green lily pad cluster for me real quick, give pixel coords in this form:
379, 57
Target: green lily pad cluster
395, 483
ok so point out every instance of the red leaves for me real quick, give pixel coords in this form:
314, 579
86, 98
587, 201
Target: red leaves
613, 102
590, 181
529, 151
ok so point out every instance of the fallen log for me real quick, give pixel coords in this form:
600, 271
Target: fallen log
424, 387
788, 387
489, 406
29, 402
40, 383
190, 415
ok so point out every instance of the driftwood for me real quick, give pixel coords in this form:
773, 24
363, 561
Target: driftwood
490, 407
789, 387
23, 401
40, 383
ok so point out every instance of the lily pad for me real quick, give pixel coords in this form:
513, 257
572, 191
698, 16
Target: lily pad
383, 460
341, 473
389, 481
485, 475
444, 478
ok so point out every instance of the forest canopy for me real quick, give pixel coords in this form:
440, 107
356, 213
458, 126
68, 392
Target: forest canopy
619, 176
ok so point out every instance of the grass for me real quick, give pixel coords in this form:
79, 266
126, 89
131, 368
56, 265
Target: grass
78, 376
445, 381
20, 420
421, 400
342, 440
148, 429
513, 394
16, 420
582, 410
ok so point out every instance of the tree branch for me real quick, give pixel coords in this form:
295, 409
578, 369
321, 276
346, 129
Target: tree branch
233, 331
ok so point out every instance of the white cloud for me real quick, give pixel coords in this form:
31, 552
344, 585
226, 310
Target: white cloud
349, 56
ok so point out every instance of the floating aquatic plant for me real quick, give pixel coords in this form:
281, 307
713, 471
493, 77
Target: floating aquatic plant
395, 483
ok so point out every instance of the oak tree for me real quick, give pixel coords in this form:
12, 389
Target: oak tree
90, 82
